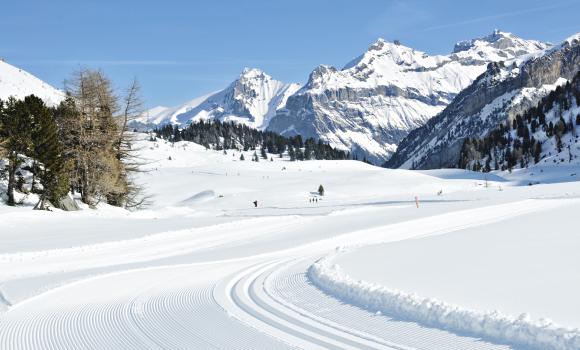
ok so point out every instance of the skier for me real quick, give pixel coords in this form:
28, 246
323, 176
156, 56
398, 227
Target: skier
255, 204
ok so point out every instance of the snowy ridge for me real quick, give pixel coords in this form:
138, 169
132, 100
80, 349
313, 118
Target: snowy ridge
161, 115
542, 334
251, 99
498, 46
371, 104
18, 83
506, 89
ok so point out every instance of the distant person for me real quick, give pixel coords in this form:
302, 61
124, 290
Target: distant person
255, 204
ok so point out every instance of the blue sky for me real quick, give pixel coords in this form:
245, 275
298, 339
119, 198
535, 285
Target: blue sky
182, 49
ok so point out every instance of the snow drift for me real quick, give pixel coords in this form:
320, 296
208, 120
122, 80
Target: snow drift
542, 334
199, 197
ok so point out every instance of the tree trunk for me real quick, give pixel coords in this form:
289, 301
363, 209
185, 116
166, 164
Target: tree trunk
11, 181
40, 204
34, 167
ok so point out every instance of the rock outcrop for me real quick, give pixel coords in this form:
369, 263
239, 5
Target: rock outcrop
370, 105
505, 89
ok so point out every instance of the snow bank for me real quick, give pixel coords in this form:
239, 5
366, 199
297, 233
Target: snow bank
202, 196
522, 330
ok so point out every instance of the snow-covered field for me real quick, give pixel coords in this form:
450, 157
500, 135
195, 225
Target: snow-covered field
360, 268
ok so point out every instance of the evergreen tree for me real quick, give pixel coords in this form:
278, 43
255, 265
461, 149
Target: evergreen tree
291, 154
299, 153
321, 190
48, 150
16, 125
263, 153
537, 149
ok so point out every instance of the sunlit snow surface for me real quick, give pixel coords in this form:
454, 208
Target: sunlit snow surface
202, 268
19, 84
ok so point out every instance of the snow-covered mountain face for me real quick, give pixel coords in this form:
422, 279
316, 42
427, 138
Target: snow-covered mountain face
371, 104
544, 135
18, 83
498, 46
505, 89
251, 99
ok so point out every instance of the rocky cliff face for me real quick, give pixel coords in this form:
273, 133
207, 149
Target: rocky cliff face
371, 104
504, 90
251, 99
545, 135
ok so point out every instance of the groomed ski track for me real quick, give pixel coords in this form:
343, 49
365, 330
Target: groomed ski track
262, 301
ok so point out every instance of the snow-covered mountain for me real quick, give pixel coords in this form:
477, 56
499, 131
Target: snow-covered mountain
371, 104
503, 91
546, 134
251, 99
18, 83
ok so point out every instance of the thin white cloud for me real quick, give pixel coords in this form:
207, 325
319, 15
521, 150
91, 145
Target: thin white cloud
133, 62
496, 16
117, 62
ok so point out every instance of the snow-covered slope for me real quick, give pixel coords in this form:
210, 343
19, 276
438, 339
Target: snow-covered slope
251, 99
376, 99
18, 83
453, 270
506, 89
203, 268
498, 46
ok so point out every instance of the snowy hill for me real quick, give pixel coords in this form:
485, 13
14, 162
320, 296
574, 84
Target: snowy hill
505, 90
371, 104
18, 83
251, 99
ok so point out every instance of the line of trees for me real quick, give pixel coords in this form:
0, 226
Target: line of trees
229, 135
80, 146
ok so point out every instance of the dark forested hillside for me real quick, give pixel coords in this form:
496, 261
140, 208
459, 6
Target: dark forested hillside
545, 133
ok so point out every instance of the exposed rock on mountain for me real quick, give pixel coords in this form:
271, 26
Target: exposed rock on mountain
371, 104
251, 99
504, 90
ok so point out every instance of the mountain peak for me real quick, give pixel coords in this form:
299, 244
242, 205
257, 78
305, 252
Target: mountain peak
465, 45
572, 40
381, 49
319, 75
250, 73
499, 40
382, 44
251, 99
378, 45
384, 47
